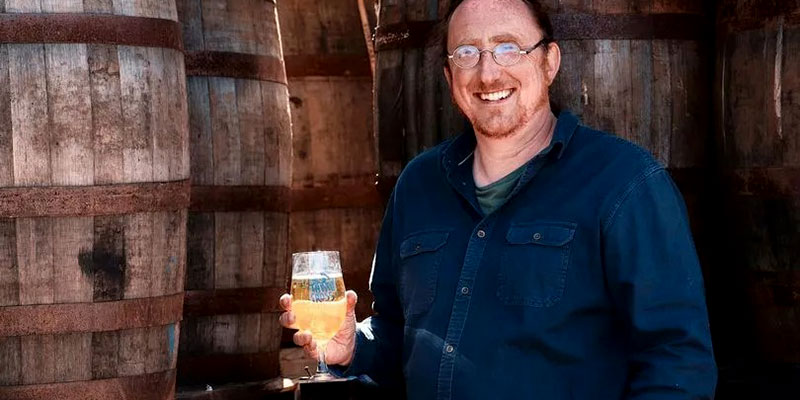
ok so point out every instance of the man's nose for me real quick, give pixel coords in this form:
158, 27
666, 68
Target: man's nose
488, 69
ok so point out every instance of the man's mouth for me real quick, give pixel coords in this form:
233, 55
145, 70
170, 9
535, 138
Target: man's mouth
495, 96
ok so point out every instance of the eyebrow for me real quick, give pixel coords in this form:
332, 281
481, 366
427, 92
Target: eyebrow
504, 38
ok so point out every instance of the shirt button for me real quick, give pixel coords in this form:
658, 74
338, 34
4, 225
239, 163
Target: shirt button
537, 236
481, 233
449, 349
465, 290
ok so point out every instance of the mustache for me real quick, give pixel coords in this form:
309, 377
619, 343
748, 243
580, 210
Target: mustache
491, 87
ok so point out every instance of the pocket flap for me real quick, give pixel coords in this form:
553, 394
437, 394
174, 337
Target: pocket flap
542, 233
423, 242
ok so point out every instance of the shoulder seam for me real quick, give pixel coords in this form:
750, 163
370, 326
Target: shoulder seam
633, 185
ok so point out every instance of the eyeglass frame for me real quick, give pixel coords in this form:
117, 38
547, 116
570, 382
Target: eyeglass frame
522, 52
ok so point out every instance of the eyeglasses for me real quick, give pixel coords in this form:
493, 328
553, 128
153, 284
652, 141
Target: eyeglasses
505, 54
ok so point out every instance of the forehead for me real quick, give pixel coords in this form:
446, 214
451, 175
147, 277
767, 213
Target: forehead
482, 22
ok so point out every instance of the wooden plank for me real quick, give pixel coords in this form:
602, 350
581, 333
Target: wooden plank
278, 139
10, 359
31, 137
169, 232
9, 270
135, 88
173, 333
332, 124
228, 26
611, 6
160, 251
138, 255
98, 6
38, 359
276, 250
23, 6
691, 103
252, 122
159, 123
790, 81
248, 333
108, 261
271, 332
177, 115
35, 260
73, 357
224, 334
105, 355
613, 101
661, 123
200, 256
201, 142
227, 249
250, 271
72, 239
132, 352
225, 131
106, 113
62, 6
641, 95
320, 27
191, 17
6, 136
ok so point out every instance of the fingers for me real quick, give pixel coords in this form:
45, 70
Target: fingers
286, 302
302, 338
287, 320
352, 299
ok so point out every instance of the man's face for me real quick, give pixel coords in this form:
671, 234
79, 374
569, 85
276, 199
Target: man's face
499, 101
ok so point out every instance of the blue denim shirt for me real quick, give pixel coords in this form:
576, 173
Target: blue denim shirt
585, 284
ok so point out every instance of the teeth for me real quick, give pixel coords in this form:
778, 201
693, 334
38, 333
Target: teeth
495, 96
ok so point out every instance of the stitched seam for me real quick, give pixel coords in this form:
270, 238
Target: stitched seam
632, 186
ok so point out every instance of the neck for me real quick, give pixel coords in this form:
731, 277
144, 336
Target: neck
497, 157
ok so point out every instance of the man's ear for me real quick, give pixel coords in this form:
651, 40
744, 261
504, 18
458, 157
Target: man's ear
448, 76
553, 62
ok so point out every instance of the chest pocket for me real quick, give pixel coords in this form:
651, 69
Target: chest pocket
535, 260
420, 255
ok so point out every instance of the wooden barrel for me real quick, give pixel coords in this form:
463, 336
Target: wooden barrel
758, 112
241, 168
336, 205
93, 195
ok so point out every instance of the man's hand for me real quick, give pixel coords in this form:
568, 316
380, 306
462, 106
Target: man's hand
341, 348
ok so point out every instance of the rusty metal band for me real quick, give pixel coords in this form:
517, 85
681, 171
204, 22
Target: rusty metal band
90, 28
90, 317
159, 385
226, 368
750, 23
235, 65
202, 303
632, 27
328, 65
571, 27
61, 201
282, 199
240, 198
357, 195
779, 182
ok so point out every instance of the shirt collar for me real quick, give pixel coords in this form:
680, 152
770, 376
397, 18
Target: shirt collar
463, 146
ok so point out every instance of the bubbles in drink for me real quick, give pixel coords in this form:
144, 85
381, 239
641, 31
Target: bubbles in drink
319, 304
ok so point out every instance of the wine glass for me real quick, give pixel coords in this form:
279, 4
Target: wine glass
318, 299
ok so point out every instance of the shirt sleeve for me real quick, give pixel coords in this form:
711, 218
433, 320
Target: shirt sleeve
378, 353
655, 280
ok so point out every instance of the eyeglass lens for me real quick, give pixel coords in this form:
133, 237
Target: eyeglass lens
468, 56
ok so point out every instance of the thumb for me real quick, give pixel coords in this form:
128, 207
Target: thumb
352, 299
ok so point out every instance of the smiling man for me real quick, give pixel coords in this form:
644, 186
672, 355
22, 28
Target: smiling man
531, 257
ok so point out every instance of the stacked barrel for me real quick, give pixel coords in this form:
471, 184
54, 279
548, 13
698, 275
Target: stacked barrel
241, 168
758, 119
94, 172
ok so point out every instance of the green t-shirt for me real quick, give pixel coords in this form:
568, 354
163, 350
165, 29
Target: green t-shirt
491, 196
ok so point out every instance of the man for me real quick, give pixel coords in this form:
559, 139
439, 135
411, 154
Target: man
533, 257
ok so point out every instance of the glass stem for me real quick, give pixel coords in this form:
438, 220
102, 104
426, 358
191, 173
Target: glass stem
322, 366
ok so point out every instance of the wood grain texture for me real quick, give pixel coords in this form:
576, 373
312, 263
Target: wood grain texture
76, 115
240, 135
